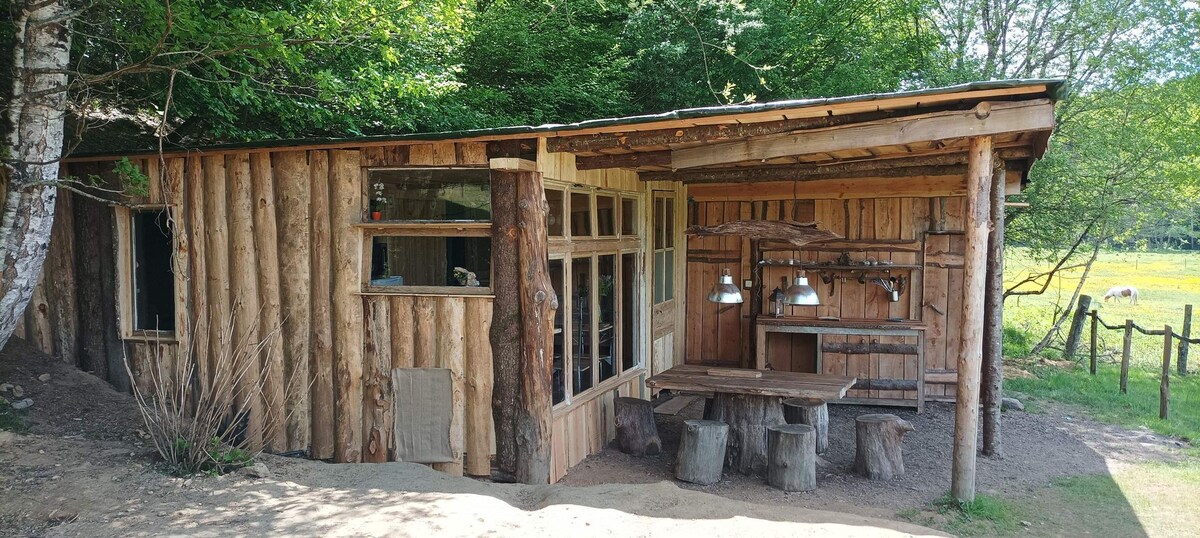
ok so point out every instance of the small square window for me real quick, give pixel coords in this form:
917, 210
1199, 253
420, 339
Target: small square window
431, 261
554, 219
581, 214
629, 216
606, 214
429, 195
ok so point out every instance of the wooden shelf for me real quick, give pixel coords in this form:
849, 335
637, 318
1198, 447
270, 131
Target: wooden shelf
812, 265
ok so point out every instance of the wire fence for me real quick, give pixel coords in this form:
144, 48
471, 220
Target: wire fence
1175, 344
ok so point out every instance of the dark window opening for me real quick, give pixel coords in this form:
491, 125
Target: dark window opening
431, 261
153, 279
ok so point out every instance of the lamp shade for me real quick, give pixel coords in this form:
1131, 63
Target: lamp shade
801, 294
725, 291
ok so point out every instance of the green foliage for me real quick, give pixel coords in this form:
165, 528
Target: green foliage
218, 457
131, 177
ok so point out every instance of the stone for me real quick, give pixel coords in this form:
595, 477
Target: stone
5, 387
1010, 404
44, 378
22, 404
18, 391
258, 470
7, 437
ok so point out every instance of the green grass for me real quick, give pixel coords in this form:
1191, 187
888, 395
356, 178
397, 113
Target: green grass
985, 516
1101, 399
1166, 281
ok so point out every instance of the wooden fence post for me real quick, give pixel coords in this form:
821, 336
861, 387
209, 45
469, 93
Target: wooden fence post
1183, 342
1095, 322
1164, 387
1125, 356
1085, 304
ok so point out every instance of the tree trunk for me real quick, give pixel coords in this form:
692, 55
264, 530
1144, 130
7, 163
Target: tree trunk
701, 451
811, 411
505, 333
992, 373
637, 434
748, 417
879, 441
538, 303
40, 58
792, 457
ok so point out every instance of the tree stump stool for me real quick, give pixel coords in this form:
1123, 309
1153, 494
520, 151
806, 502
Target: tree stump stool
637, 434
701, 451
792, 457
811, 411
879, 441
748, 417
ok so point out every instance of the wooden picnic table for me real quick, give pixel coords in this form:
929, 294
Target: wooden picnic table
750, 405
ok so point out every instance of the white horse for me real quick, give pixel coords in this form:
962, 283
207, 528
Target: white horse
1116, 292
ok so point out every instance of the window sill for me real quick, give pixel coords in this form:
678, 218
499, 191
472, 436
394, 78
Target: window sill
604, 387
432, 228
439, 291
164, 337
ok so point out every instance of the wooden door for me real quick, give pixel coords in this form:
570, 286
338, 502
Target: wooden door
664, 261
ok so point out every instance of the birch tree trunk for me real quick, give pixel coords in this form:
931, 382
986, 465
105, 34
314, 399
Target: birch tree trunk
43, 43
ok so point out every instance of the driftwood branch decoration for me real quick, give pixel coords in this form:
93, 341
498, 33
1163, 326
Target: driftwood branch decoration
789, 231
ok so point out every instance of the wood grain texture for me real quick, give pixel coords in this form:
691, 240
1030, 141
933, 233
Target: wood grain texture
347, 315
292, 209
478, 378
450, 353
216, 251
243, 276
266, 241
377, 387
321, 348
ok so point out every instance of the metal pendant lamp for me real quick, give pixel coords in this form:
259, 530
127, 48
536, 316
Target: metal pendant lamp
725, 291
801, 294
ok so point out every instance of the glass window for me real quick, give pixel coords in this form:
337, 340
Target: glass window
424, 194
629, 309
606, 213
664, 248
554, 219
581, 214
583, 356
629, 216
606, 283
153, 281
431, 261
559, 377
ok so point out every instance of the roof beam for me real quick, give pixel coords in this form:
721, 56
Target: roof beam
880, 167
624, 160
720, 132
985, 119
845, 188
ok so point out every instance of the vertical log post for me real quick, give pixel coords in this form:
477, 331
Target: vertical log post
992, 372
1183, 342
1095, 322
970, 350
523, 363
1164, 386
1125, 351
505, 334
1081, 310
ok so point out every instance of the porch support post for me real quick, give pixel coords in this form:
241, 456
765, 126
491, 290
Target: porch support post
522, 322
993, 328
970, 351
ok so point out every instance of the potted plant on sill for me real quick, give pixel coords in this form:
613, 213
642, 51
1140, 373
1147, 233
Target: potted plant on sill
377, 202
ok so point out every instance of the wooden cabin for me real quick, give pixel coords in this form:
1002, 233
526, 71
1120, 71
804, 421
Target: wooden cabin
408, 276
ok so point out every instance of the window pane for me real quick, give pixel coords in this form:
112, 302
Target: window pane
461, 194
583, 356
559, 380
581, 214
669, 223
629, 308
153, 283
658, 224
431, 261
628, 216
606, 281
606, 212
554, 220
660, 263
669, 274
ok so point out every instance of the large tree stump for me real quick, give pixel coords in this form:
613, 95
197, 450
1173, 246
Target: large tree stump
792, 457
701, 451
811, 411
636, 432
748, 417
879, 439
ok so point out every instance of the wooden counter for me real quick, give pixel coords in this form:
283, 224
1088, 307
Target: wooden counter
860, 327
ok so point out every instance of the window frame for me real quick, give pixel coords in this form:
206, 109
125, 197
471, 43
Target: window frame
126, 285
665, 235
567, 248
370, 229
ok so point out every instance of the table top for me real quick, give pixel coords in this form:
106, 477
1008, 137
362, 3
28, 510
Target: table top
772, 383
848, 323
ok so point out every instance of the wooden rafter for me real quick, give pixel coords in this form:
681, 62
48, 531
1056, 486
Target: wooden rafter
985, 119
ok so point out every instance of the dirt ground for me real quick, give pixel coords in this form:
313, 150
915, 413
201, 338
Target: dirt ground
1038, 447
82, 469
